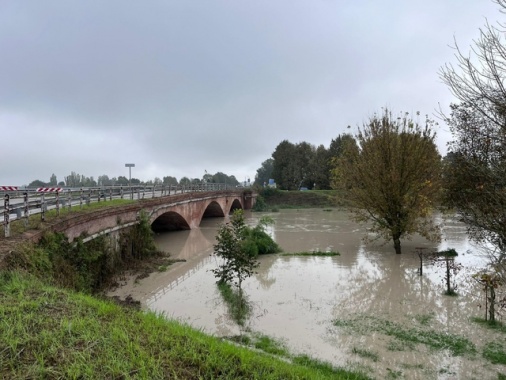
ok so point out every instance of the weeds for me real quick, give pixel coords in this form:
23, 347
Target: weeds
457, 345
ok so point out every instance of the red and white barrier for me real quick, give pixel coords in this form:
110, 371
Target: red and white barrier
8, 188
48, 189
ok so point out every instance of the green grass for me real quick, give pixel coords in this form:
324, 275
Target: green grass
456, 344
47, 332
317, 253
270, 346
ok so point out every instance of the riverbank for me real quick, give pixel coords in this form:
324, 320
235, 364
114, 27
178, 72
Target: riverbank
53, 333
278, 199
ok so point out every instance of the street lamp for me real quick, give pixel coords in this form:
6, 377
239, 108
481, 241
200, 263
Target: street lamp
129, 166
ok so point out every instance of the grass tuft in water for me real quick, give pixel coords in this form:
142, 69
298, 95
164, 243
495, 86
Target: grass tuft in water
456, 344
367, 354
237, 305
315, 253
495, 352
270, 345
424, 319
493, 325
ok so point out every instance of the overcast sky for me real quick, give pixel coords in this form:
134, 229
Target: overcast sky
180, 87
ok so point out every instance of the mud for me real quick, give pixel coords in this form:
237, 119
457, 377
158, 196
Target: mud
296, 299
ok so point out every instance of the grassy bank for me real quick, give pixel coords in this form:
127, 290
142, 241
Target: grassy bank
277, 199
52, 333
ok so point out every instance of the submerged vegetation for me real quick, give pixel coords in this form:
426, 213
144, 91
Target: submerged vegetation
312, 253
457, 345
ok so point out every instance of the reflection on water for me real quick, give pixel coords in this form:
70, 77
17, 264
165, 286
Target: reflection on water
296, 299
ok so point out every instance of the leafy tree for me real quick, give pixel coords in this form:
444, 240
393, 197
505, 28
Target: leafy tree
337, 145
476, 176
239, 253
291, 166
392, 177
37, 183
103, 180
169, 180
122, 181
53, 181
320, 169
282, 168
220, 177
264, 173
185, 181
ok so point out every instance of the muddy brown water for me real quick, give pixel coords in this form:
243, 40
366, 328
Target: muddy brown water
296, 299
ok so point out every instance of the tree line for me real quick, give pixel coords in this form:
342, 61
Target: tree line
391, 171
77, 180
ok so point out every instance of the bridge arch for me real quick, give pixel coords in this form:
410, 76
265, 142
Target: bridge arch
170, 221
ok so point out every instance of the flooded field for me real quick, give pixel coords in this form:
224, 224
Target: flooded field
367, 308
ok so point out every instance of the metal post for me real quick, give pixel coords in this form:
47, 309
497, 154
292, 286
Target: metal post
110, 194
57, 203
25, 198
121, 191
81, 199
42, 207
69, 199
6, 216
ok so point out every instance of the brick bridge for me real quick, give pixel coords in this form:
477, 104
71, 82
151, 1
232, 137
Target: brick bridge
167, 213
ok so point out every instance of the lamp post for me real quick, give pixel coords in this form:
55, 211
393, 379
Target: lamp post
129, 166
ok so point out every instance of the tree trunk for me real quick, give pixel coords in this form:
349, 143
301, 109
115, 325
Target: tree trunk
491, 310
397, 244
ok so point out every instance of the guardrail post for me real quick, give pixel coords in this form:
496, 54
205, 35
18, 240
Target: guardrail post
42, 207
110, 194
98, 198
131, 193
57, 203
153, 192
139, 193
121, 191
25, 199
81, 199
7, 226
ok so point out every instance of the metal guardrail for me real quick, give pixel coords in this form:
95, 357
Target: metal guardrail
23, 202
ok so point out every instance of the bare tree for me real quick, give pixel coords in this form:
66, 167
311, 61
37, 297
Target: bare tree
475, 175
